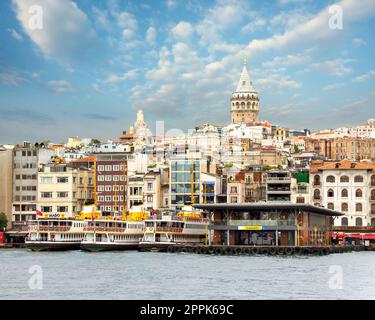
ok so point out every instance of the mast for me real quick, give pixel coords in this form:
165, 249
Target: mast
192, 184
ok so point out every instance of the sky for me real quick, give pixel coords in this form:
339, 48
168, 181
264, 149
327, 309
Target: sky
85, 67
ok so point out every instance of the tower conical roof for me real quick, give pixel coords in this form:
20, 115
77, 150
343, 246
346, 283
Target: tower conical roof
244, 85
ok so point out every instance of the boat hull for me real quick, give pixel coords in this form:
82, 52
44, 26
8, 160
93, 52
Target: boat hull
96, 247
154, 246
51, 246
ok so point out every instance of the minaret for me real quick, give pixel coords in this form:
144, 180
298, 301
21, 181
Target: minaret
245, 101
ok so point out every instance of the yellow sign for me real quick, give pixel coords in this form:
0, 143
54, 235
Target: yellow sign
54, 215
251, 228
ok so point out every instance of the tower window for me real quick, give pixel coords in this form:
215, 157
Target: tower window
243, 82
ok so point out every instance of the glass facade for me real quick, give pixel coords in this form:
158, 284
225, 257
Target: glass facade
183, 173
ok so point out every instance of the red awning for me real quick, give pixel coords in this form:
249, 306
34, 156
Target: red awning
365, 236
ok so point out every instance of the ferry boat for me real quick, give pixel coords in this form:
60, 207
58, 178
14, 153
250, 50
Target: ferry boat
115, 233
163, 230
52, 232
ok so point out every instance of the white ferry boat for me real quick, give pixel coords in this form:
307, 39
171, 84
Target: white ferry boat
163, 230
51, 231
51, 234
115, 233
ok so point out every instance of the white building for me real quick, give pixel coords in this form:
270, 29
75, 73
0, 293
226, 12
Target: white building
345, 186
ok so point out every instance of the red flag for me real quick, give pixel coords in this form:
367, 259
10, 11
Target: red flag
39, 213
154, 211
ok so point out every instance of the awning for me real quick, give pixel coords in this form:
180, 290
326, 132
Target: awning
365, 236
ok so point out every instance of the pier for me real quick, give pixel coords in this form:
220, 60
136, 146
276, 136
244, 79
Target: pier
264, 250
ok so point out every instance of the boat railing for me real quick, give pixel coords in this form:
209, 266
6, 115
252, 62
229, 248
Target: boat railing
168, 229
49, 228
105, 229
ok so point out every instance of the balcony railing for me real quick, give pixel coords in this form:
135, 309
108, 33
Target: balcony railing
270, 223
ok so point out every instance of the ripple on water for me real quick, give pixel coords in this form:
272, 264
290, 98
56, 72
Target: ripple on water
137, 275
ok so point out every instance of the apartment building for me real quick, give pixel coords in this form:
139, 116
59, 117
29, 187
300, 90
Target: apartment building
346, 186
26, 160
63, 190
6, 181
278, 185
341, 148
111, 180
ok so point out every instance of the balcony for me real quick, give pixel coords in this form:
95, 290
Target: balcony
278, 179
317, 183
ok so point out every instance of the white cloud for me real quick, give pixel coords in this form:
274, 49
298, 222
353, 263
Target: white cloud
114, 78
277, 82
182, 31
128, 33
151, 35
11, 77
333, 86
101, 18
60, 86
254, 25
289, 60
15, 34
358, 42
364, 77
66, 32
337, 67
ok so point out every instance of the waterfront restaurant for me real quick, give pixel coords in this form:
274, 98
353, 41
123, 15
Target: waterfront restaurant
280, 224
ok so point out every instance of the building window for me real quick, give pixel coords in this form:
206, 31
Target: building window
344, 207
46, 209
358, 207
233, 199
62, 209
358, 222
373, 180
331, 206
358, 193
316, 194
331, 179
108, 168
62, 194
330, 193
62, 179
100, 178
108, 188
344, 193
372, 196
372, 208
233, 189
344, 221
344, 179
316, 180
46, 194
300, 200
358, 179
100, 188
373, 222
46, 180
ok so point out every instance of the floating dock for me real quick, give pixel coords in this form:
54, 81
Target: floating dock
263, 250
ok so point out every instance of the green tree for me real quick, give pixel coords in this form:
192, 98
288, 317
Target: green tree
95, 142
3, 220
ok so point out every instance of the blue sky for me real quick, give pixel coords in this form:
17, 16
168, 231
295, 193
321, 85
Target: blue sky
95, 63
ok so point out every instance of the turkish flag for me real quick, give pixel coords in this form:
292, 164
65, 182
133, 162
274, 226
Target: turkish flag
39, 213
